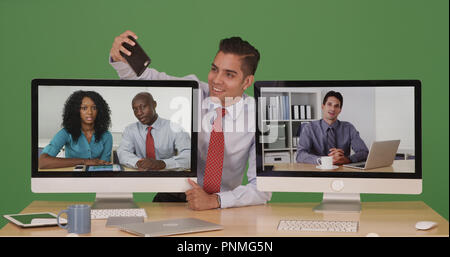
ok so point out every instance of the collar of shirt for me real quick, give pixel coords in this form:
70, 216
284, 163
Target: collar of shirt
233, 111
83, 135
156, 125
324, 125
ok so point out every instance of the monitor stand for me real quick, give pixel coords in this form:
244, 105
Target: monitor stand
336, 202
114, 201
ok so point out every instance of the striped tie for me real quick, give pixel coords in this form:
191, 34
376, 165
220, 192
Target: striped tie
150, 145
214, 160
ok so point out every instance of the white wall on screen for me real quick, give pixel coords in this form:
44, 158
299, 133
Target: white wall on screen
51, 100
395, 115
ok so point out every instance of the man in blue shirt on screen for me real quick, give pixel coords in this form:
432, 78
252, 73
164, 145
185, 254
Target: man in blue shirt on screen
330, 136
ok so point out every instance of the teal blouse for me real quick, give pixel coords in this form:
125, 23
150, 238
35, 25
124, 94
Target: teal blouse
81, 148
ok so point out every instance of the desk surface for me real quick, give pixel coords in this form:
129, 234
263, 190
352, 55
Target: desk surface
397, 166
383, 218
125, 168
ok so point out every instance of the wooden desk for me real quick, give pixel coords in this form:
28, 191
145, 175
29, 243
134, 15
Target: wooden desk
125, 168
384, 218
397, 166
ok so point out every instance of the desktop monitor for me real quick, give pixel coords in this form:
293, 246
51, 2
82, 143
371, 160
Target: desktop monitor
293, 135
57, 106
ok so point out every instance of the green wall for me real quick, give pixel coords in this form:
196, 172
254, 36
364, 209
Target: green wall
298, 40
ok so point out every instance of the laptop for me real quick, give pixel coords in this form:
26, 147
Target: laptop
381, 154
170, 227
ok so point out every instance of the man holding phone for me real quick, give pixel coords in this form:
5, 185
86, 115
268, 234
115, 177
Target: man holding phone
222, 155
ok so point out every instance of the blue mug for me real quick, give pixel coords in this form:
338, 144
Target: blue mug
78, 219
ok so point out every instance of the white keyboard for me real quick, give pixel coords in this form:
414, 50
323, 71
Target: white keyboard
318, 225
98, 214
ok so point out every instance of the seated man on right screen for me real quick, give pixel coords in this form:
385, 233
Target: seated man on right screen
330, 136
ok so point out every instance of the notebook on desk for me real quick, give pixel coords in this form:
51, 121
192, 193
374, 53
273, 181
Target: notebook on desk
170, 227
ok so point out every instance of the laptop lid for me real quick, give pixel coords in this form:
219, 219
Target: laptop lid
170, 227
382, 153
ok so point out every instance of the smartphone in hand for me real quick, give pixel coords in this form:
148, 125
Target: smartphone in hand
138, 59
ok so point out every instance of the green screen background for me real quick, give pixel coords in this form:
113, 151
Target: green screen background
298, 40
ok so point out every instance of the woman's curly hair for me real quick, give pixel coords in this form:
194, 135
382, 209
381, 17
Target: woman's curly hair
71, 114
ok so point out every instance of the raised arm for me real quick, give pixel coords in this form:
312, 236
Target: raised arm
125, 72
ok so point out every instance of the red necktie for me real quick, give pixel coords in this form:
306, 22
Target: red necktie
150, 145
214, 160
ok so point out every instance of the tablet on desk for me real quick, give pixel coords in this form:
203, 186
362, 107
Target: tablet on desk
113, 167
40, 219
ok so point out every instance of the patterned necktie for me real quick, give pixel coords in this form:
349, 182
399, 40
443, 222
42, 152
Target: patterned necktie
150, 145
214, 160
331, 138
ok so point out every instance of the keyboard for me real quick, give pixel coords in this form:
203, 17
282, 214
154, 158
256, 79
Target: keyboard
318, 226
98, 214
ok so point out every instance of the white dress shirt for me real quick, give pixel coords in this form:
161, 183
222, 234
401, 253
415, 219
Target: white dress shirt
239, 135
167, 136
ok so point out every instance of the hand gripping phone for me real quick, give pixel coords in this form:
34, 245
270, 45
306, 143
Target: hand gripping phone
138, 59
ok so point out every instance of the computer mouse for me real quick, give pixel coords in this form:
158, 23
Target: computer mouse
425, 225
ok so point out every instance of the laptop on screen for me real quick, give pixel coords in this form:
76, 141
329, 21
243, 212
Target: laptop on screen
381, 154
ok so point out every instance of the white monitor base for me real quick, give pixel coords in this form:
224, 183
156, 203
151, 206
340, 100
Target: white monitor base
335, 202
114, 201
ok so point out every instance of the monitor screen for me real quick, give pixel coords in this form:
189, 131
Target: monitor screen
99, 128
364, 134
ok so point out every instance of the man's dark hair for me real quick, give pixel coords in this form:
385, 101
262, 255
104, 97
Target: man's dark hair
71, 114
335, 94
250, 55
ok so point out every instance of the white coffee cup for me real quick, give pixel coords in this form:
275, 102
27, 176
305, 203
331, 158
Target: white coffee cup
325, 162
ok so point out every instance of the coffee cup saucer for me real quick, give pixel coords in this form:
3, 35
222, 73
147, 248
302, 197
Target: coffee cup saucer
332, 167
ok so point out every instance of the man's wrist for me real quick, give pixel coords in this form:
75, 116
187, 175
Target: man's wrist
162, 164
138, 163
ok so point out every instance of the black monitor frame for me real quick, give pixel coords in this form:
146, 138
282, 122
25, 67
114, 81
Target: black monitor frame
268, 172
35, 83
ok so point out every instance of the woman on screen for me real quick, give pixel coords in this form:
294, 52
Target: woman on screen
85, 135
